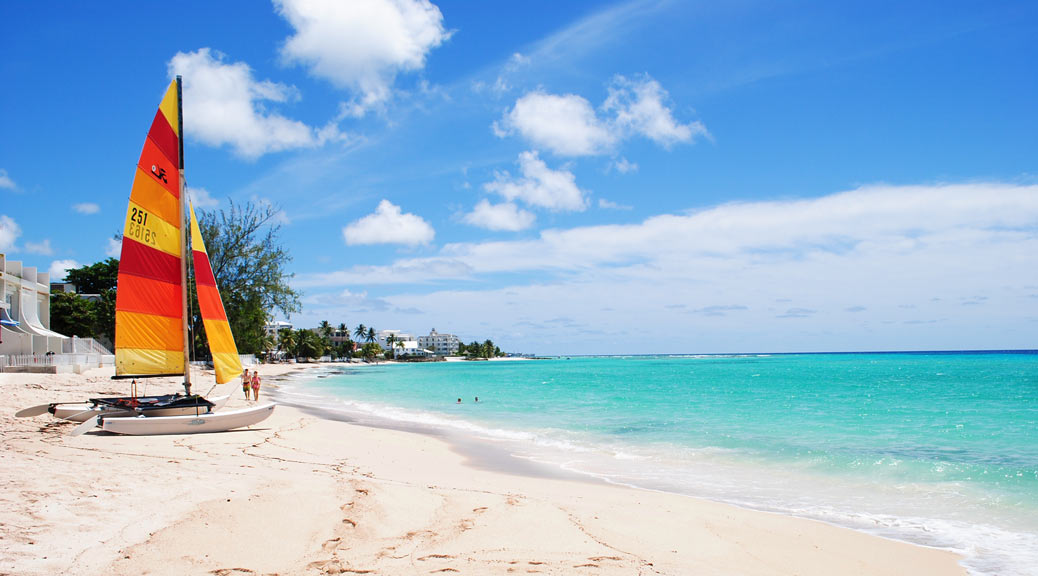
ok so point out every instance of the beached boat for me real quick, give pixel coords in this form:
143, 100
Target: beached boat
151, 307
114, 407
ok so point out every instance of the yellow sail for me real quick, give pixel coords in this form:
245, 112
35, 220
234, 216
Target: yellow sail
149, 333
221, 342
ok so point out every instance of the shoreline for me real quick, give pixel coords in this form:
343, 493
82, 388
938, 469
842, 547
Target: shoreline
304, 494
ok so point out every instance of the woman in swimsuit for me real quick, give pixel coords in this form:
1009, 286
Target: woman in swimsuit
255, 384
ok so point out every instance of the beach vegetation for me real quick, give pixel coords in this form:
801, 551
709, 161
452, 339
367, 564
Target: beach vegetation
75, 316
250, 266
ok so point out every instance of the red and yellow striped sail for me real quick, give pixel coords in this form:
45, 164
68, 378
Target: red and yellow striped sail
217, 330
149, 333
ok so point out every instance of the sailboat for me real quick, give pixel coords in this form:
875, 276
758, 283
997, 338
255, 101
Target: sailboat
151, 308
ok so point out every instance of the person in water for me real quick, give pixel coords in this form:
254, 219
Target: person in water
459, 400
477, 399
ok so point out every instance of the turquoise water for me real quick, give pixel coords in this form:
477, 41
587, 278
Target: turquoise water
938, 449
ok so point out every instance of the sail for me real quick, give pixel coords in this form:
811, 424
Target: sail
149, 332
221, 342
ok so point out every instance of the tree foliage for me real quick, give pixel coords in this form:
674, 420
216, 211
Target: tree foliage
249, 264
74, 316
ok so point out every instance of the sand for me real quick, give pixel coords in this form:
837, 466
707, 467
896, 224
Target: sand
301, 494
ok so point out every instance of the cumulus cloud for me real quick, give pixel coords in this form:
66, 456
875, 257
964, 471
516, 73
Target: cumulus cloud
9, 232
539, 186
569, 126
5, 180
86, 208
113, 249
388, 225
43, 248
225, 105
361, 45
59, 269
201, 198
505, 216
801, 263
639, 108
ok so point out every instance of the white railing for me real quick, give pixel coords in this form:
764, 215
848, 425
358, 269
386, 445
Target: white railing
77, 345
57, 359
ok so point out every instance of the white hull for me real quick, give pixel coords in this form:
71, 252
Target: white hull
211, 422
85, 411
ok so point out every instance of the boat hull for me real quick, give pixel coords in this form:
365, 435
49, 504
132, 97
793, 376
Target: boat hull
211, 422
86, 410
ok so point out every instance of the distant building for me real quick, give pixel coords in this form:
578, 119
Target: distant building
273, 328
25, 311
399, 336
440, 344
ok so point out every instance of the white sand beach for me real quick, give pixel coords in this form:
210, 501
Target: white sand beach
305, 495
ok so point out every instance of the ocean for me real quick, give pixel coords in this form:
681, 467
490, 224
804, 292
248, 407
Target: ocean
938, 449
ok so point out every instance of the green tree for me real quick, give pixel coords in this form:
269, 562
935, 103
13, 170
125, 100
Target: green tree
370, 351
249, 264
370, 336
390, 341
488, 348
360, 332
71, 315
87, 318
95, 278
309, 344
287, 342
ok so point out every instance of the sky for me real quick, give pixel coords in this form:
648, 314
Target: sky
635, 177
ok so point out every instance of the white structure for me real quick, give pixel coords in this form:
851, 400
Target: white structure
399, 336
440, 344
273, 328
25, 311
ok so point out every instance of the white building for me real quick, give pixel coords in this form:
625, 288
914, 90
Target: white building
273, 328
25, 311
440, 344
382, 337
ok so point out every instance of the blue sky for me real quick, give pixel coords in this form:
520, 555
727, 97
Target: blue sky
576, 177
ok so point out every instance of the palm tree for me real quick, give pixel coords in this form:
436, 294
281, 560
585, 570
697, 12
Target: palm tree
343, 330
361, 331
400, 345
287, 342
371, 335
325, 329
390, 340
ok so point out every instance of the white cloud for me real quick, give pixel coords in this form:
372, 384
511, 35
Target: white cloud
114, 248
963, 256
610, 205
5, 180
223, 104
504, 216
43, 248
9, 232
201, 198
362, 45
639, 108
624, 167
86, 208
59, 269
388, 225
567, 125
540, 186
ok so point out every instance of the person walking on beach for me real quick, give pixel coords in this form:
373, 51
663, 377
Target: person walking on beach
255, 384
246, 381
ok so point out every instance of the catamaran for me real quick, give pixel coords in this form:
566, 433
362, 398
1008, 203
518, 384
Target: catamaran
151, 307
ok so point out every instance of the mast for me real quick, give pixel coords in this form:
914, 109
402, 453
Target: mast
183, 241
